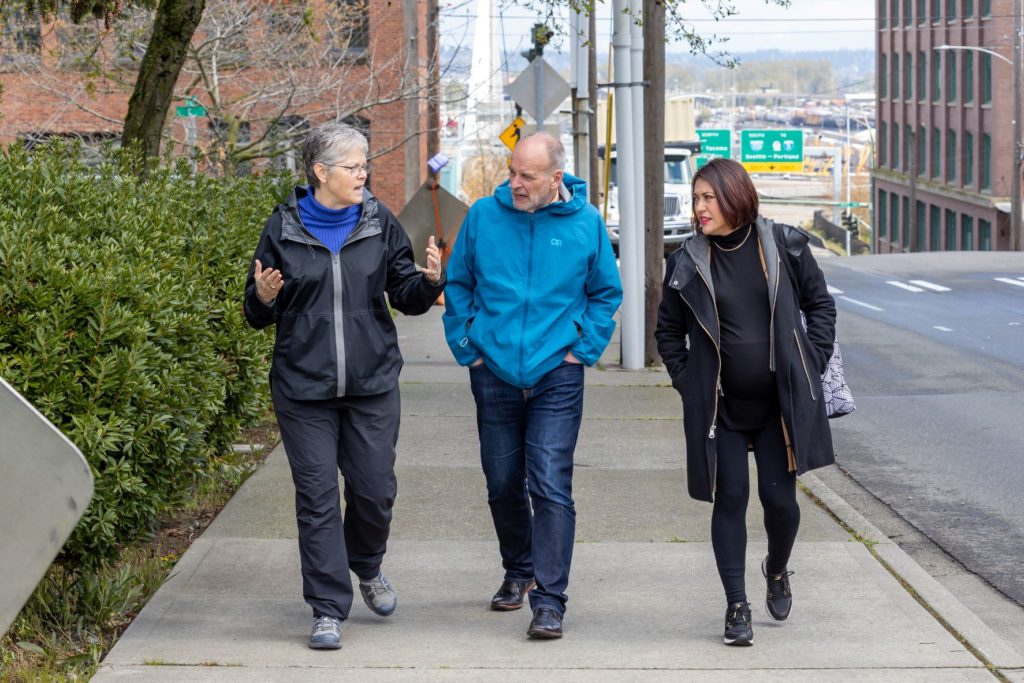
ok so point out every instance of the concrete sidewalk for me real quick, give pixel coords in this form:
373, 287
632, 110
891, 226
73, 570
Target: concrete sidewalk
645, 599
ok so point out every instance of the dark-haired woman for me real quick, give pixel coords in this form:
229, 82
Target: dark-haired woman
730, 334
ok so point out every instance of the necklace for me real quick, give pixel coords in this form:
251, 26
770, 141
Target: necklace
750, 229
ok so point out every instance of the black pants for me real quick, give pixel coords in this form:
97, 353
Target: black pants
356, 435
776, 488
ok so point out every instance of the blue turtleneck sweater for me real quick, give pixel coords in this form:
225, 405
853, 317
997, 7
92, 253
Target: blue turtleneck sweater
330, 226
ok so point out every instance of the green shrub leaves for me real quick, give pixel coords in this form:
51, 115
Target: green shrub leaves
120, 319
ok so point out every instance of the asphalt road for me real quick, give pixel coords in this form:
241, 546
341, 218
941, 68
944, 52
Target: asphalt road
934, 352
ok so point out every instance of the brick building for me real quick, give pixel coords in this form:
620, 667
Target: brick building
375, 74
945, 147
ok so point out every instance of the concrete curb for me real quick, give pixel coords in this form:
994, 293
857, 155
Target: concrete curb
959, 620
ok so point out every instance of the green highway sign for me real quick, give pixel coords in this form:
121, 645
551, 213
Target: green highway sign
714, 142
772, 151
191, 108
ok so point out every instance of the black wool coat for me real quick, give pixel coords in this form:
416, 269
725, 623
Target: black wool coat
689, 342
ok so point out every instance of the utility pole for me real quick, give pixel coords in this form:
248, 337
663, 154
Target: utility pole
1015, 212
654, 169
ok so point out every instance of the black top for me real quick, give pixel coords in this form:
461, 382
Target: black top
749, 397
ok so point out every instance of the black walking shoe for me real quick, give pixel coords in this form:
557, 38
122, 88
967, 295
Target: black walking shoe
546, 624
511, 594
779, 599
737, 625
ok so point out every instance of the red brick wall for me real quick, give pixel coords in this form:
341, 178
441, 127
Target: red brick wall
56, 101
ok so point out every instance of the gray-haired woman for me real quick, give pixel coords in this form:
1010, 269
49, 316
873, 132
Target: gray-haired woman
326, 257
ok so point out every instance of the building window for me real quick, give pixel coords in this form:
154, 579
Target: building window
906, 222
936, 152
350, 33
968, 77
906, 12
908, 80
951, 155
985, 175
935, 10
894, 214
883, 139
936, 79
950, 77
883, 207
986, 8
882, 17
986, 78
895, 76
966, 232
984, 235
968, 158
950, 230
950, 9
968, 9
922, 76
908, 139
922, 147
919, 227
883, 76
895, 147
935, 228
921, 13
20, 39
894, 12
286, 134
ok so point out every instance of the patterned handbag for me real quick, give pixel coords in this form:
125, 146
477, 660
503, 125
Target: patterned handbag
835, 391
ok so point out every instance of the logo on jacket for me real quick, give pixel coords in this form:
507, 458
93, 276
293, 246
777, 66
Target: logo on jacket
555, 242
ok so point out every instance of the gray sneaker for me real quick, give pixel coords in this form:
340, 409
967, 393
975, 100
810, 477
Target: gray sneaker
378, 595
326, 633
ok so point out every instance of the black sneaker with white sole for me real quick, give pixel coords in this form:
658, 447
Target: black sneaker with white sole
779, 598
738, 630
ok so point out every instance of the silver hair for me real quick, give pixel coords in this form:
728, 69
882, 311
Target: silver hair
327, 143
555, 150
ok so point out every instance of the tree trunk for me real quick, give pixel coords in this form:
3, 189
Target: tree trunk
654, 170
173, 27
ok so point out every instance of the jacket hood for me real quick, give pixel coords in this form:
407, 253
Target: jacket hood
577, 197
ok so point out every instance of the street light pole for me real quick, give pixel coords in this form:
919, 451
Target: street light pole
1017, 63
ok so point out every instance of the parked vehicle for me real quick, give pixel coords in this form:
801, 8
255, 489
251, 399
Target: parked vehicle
678, 200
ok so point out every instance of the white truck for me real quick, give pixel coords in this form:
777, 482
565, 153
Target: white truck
678, 194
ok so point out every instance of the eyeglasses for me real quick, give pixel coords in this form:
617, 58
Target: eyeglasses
354, 170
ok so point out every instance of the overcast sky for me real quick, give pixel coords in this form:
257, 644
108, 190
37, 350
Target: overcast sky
804, 25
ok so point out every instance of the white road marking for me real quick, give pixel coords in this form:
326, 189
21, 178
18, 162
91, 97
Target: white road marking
940, 328
861, 303
1010, 281
930, 285
903, 285
1020, 278
835, 290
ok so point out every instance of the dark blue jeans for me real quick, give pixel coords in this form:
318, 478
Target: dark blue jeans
527, 439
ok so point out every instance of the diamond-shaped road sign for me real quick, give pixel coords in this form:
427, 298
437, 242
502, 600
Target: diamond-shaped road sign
421, 215
523, 90
45, 488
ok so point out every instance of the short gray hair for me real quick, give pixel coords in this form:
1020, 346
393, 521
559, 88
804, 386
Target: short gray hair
327, 143
554, 147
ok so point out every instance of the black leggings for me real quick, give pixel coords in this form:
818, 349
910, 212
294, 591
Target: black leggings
776, 488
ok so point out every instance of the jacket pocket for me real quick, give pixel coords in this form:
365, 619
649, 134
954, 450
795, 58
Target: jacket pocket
806, 366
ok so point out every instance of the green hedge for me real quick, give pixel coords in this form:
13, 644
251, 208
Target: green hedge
121, 320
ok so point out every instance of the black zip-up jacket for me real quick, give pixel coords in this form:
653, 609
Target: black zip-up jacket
335, 335
689, 342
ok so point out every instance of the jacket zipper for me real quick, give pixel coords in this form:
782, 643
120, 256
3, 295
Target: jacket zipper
526, 301
718, 354
803, 363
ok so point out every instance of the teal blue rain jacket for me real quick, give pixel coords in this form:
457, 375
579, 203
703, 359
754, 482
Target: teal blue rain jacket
525, 288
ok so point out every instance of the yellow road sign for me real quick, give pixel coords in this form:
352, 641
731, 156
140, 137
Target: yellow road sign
510, 136
774, 166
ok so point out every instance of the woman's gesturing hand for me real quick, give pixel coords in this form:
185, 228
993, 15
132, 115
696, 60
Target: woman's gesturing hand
268, 283
433, 269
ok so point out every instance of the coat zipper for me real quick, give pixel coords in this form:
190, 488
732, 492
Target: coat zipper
526, 301
718, 352
803, 363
